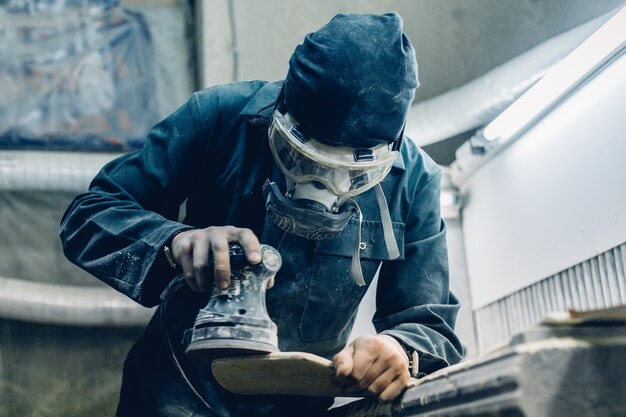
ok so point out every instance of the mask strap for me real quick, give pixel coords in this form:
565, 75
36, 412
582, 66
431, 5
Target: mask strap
289, 185
355, 267
385, 217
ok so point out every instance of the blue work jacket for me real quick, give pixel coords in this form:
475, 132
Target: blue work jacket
213, 154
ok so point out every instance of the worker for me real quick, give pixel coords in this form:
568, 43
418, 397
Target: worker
315, 165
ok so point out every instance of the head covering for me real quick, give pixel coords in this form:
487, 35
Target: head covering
352, 82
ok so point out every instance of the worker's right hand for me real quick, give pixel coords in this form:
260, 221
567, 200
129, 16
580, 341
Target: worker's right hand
374, 363
191, 250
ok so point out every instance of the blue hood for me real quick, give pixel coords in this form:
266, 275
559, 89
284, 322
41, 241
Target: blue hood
352, 82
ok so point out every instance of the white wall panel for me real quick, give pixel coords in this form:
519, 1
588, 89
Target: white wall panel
555, 197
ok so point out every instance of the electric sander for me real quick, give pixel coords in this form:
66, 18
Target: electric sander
235, 321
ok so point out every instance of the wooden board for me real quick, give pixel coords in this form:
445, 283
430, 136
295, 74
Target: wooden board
292, 373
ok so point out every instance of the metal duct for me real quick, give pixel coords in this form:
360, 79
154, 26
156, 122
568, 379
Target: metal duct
68, 305
479, 101
51, 171
50, 303
599, 282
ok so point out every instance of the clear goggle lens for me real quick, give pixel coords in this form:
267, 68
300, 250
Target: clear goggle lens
343, 170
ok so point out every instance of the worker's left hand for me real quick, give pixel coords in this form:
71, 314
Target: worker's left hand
377, 364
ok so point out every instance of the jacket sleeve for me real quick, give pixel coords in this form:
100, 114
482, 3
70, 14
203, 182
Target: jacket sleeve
117, 229
414, 304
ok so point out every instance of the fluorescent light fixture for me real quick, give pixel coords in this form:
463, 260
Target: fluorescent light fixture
595, 53
600, 48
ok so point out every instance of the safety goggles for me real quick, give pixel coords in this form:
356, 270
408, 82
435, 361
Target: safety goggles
343, 170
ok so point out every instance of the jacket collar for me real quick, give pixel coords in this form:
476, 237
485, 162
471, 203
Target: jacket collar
259, 108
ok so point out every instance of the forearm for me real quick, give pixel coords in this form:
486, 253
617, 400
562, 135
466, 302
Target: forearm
428, 332
415, 306
119, 243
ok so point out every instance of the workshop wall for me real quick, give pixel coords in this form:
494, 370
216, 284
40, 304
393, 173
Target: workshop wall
455, 40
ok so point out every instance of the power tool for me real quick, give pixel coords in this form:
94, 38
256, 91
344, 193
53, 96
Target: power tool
235, 320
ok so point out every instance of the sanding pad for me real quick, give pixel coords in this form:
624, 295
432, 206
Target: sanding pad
291, 373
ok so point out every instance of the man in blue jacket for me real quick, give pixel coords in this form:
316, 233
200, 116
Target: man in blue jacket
315, 166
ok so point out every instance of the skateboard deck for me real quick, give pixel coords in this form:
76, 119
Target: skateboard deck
291, 373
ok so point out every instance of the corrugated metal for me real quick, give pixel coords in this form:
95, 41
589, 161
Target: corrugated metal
599, 282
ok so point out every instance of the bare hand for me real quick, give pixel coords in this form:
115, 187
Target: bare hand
377, 364
191, 250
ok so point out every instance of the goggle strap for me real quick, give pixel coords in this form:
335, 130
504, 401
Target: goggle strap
385, 217
280, 100
355, 267
397, 144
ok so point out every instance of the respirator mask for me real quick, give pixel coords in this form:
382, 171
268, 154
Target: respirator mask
321, 179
